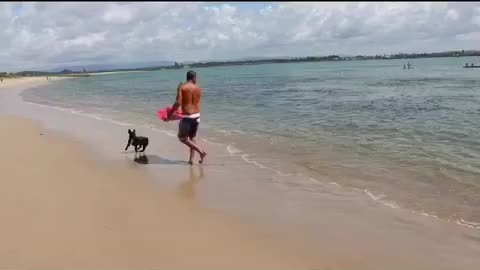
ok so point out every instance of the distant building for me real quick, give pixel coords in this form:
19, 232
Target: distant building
65, 71
176, 66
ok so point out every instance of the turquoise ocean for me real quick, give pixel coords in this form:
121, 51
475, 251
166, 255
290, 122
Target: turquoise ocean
406, 138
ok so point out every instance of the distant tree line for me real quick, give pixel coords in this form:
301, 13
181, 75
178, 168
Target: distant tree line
460, 53
338, 58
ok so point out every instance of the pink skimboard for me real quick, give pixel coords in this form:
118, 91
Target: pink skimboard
162, 114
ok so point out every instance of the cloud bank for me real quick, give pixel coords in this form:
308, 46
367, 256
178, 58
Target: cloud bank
64, 33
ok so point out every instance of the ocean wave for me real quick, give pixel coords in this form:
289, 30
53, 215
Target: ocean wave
427, 215
246, 159
229, 132
380, 199
79, 112
470, 224
232, 150
372, 196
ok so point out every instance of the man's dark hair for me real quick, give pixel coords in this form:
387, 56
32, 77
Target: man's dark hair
191, 75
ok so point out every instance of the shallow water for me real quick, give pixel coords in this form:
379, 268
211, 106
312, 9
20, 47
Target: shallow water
338, 226
406, 138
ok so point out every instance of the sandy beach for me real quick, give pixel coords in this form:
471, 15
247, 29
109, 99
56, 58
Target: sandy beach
21, 81
64, 205
313, 136
62, 210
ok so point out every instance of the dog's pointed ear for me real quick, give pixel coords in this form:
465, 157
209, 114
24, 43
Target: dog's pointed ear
133, 131
129, 131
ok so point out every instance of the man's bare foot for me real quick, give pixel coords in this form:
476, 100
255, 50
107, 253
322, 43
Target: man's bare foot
202, 156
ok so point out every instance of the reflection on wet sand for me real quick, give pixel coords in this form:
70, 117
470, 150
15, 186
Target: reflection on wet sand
188, 188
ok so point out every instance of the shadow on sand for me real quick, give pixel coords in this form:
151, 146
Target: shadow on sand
153, 159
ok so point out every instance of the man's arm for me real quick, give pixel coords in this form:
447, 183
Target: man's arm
177, 102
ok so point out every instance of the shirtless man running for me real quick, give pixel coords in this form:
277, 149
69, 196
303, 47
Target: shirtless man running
188, 97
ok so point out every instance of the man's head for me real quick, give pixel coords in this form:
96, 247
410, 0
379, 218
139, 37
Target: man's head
192, 76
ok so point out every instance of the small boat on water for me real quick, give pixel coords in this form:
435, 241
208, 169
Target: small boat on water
470, 66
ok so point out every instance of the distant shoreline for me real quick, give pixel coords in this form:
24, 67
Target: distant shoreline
333, 58
308, 59
113, 72
67, 75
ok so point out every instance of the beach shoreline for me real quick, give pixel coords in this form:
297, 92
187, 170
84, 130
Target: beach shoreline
95, 214
105, 211
338, 231
26, 82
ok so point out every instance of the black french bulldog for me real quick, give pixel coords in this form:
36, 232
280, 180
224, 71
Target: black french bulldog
137, 141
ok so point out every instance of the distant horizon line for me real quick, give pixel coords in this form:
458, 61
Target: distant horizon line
248, 58
341, 54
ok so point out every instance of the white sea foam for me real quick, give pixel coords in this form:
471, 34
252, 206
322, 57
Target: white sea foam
380, 199
428, 215
79, 112
470, 224
245, 158
371, 195
232, 150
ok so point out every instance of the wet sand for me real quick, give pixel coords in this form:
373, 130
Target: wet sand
60, 209
64, 206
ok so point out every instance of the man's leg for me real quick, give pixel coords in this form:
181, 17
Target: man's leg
192, 152
187, 129
192, 143
193, 146
183, 131
193, 134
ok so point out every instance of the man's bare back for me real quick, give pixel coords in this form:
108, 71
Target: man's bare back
189, 96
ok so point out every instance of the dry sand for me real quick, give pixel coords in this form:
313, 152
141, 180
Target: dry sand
27, 82
60, 209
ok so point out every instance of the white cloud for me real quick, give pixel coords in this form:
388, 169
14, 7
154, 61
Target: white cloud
118, 14
452, 14
87, 40
46, 34
475, 36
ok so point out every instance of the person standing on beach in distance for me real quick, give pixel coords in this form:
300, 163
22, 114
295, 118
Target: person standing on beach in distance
188, 98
